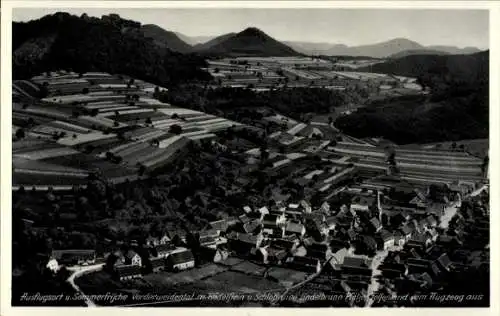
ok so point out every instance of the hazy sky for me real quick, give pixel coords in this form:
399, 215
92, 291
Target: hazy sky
344, 26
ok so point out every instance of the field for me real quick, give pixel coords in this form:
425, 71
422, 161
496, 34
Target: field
249, 268
476, 147
166, 279
286, 277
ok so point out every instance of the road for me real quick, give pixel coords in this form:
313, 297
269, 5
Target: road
377, 261
450, 211
79, 271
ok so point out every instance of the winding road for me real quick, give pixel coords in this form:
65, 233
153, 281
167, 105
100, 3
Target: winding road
79, 271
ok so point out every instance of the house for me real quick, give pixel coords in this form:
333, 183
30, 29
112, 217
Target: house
332, 222
385, 239
370, 243
219, 226
444, 262
52, 265
273, 219
271, 255
263, 211
417, 266
295, 228
180, 260
375, 224
316, 215
406, 232
316, 228
392, 270
128, 272
352, 234
207, 254
325, 207
305, 264
157, 264
356, 266
152, 241
319, 251
163, 250
399, 239
252, 226
243, 243
74, 256
208, 241
420, 239
209, 233
244, 218
306, 206
132, 258
288, 245
362, 203
247, 209
437, 209
164, 239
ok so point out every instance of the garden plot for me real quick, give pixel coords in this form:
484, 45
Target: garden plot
286, 277
84, 138
236, 282
47, 153
248, 267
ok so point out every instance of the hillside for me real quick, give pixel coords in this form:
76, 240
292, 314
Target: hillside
418, 52
110, 44
454, 50
165, 39
251, 42
457, 107
212, 42
469, 68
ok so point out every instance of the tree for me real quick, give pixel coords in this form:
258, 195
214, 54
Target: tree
85, 90
175, 129
149, 121
20, 133
453, 145
94, 112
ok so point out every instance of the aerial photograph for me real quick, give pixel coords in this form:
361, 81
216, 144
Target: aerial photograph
250, 157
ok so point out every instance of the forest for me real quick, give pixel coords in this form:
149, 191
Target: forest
110, 44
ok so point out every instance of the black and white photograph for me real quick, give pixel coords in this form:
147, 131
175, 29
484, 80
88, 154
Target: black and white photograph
248, 157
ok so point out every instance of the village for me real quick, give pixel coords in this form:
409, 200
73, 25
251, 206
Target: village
319, 211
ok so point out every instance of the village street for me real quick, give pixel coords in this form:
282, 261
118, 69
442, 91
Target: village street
79, 271
378, 259
450, 211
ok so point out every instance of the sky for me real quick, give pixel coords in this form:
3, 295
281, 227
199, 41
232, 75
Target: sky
351, 27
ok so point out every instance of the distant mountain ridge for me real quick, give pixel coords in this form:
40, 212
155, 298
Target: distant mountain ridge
377, 50
166, 39
212, 42
194, 40
250, 42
